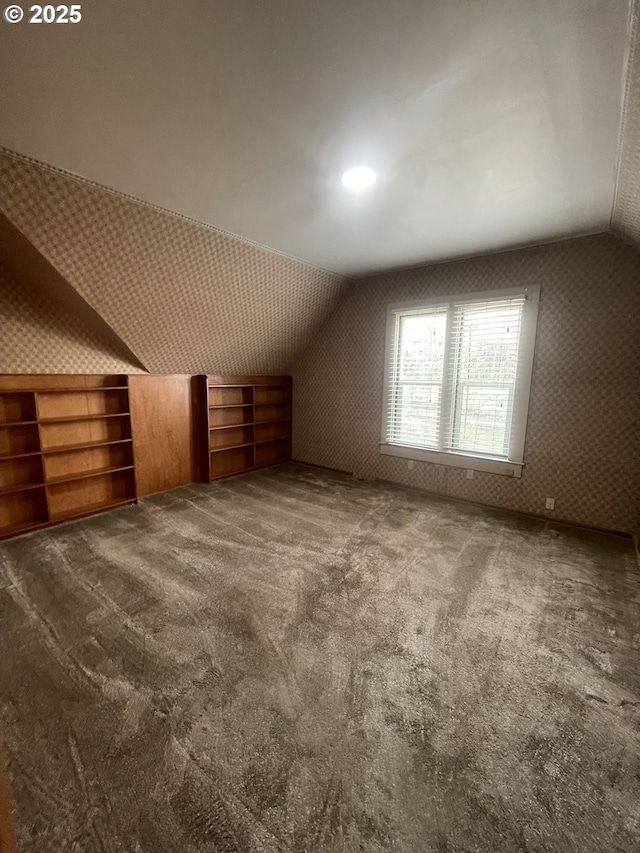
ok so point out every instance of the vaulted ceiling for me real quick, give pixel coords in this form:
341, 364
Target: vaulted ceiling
165, 292
490, 123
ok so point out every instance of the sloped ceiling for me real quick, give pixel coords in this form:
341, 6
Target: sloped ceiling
182, 297
490, 123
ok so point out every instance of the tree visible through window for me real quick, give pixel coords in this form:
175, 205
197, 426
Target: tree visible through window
458, 375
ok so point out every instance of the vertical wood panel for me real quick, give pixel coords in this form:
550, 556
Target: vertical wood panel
162, 421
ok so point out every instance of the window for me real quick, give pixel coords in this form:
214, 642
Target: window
457, 379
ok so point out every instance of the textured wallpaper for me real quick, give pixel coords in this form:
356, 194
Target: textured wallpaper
584, 419
626, 209
183, 297
38, 335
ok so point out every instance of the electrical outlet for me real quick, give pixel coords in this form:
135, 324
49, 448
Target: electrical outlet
410, 464
550, 503
469, 473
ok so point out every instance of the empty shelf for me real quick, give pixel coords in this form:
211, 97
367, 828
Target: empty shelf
231, 447
231, 406
84, 445
85, 475
70, 418
20, 455
23, 487
25, 527
62, 390
90, 509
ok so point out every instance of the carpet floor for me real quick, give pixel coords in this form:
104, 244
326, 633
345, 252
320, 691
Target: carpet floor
293, 660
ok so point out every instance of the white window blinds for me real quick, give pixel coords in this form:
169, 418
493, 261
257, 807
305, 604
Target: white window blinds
417, 370
458, 375
483, 364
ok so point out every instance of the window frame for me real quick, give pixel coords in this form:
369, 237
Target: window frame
513, 464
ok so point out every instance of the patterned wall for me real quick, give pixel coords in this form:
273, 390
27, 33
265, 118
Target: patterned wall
185, 298
584, 418
39, 335
626, 209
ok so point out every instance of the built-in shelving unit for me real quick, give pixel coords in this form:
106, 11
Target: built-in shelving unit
65, 448
246, 423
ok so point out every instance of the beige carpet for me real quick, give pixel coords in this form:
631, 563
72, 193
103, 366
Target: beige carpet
296, 661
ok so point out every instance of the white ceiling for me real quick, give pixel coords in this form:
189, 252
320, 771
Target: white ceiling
491, 123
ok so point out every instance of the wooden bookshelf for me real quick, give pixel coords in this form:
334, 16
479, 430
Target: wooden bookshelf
246, 423
66, 448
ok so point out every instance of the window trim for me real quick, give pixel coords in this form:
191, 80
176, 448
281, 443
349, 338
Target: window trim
511, 467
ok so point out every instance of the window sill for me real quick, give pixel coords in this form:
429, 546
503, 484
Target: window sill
454, 460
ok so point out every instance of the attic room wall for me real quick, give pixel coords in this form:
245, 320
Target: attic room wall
584, 417
626, 210
185, 298
39, 335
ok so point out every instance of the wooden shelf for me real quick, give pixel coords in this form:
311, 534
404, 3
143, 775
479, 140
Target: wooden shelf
5, 456
27, 527
48, 427
84, 445
85, 475
70, 418
231, 447
273, 440
255, 443
232, 406
232, 472
64, 448
90, 509
23, 487
73, 390
250, 423
230, 426
81, 390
